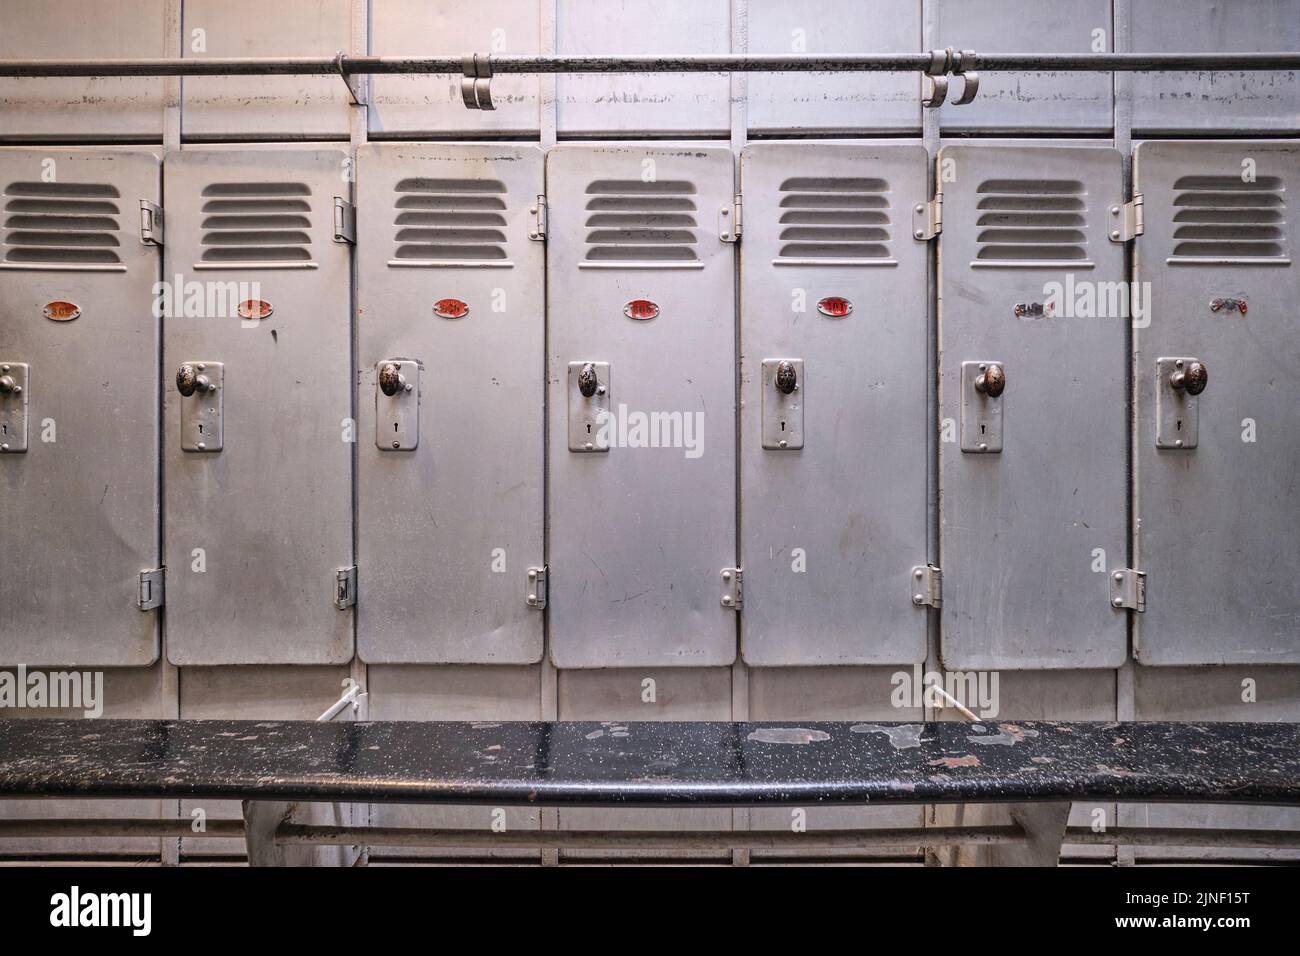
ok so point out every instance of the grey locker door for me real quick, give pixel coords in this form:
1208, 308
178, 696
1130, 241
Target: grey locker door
640, 297
1033, 407
450, 289
1217, 517
79, 392
834, 520
258, 470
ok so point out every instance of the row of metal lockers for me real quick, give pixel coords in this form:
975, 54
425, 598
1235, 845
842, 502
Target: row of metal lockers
547, 400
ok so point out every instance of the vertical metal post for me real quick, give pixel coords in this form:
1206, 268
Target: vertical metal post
1125, 700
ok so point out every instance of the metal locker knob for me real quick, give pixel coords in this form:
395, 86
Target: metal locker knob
391, 380
7, 385
1191, 378
189, 380
787, 379
587, 381
992, 381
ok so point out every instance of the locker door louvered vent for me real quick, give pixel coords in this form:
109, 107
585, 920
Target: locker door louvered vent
1032, 223
62, 226
451, 223
1222, 219
638, 225
834, 221
256, 226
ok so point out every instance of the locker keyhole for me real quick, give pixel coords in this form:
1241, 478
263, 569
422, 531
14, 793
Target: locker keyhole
200, 428
394, 426
1179, 426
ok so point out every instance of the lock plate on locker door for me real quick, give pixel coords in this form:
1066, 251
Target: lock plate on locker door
201, 386
13, 407
783, 394
397, 404
981, 407
588, 390
1177, 408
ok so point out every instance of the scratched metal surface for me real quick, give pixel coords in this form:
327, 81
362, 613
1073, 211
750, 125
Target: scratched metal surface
652, 763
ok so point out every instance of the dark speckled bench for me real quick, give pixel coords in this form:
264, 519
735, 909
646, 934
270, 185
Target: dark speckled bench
1040, 767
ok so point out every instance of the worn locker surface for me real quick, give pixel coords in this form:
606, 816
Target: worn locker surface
683, 103
800, 694
79, 108
79, 507
432, 105
1218, 523
830, 531
266, 107
482, 693
1215, 693
261, 693
833, 102
1028, 534
269, 517
447, 531
1029, 102
616, 696
1230, 102
639, 536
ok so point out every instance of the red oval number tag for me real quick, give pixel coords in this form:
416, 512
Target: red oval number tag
254, 309
450, 309
61, 311
643, 310
837, 307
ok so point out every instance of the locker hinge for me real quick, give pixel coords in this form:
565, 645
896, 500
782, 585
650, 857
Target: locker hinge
927, 218
345, 587
730, 221
1128, 589
537, 231
927, 585
345, 221
1127, 220
535, 588
732, 594
152, 588
151, 223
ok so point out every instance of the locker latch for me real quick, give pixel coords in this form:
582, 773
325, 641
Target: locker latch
588, 406
1178, 383
730, 224
13, 407
537, 231
1127, 222
927, 586
345, 221
783, 400
151, 223
733, 596
201, 386
1128, 589
151, 593
535, 595
345, 587
397, 405
927, 218
982, 384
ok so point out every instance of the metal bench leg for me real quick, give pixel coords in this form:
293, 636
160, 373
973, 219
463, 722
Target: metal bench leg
262, 818
1044, 826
